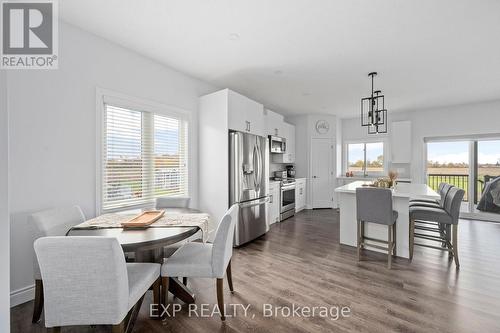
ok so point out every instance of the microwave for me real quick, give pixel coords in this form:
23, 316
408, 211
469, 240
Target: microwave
277, 144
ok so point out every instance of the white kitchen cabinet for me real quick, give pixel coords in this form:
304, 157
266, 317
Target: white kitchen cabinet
401, 142
273, 210
300, 194
244, 114
275, 123
289, 155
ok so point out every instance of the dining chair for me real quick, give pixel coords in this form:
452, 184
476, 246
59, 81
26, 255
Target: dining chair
423, 219
52, 222
175, 202
172, 202
374, 205
87, 282
203, 260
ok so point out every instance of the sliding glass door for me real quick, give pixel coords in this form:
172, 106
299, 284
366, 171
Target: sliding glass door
449, 162
472, 164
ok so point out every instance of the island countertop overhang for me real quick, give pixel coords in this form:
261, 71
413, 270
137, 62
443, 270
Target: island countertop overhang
402, 190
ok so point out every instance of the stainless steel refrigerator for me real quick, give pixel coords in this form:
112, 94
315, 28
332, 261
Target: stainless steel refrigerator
248, 184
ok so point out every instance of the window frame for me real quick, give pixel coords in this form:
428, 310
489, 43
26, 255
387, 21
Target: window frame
364, 142
105, 96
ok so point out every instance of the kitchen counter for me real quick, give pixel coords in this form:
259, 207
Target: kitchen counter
403, 180
401, 196
403, 190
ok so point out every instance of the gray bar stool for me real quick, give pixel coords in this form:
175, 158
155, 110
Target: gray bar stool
421, 216
374, 205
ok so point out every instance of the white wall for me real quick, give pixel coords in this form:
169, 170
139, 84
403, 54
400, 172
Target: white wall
469, 119
4, 208
53, 130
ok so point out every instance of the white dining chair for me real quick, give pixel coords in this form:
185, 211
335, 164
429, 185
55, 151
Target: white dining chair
203, 260
52, 222
172, 202
87, 282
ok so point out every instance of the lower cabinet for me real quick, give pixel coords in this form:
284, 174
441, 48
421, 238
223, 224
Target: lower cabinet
300, 194
273, 210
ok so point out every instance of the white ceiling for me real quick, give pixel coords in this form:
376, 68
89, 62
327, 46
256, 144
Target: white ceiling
312, 56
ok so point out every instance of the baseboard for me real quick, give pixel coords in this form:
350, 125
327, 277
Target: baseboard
22, 295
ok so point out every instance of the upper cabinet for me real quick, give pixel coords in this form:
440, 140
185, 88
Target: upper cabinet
275, 124
401, 142
288, 133
244, 114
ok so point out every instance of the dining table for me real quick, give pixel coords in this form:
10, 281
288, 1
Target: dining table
148, 244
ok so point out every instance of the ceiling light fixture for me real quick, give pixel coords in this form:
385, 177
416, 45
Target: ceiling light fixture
373, 112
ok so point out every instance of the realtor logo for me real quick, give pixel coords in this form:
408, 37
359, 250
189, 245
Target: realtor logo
29, 34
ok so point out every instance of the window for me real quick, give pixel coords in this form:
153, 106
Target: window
365, 158
144, 155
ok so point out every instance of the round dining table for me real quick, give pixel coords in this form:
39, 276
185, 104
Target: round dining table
148, 245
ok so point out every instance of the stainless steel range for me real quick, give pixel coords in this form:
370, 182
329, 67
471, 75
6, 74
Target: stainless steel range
287, 205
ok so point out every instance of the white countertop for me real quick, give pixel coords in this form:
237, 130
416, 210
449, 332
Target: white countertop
371, 177
401, 190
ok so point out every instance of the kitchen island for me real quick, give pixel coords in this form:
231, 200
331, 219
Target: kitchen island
401, 196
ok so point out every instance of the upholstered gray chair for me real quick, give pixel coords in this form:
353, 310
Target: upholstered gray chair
422, 216
374, 205
52, 222
87, 282
172, 202
442, 190
201, 260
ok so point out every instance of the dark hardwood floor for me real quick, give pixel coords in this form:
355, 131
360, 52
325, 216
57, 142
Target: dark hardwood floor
300, 261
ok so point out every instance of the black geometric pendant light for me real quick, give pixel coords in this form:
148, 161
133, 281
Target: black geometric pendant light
373, 112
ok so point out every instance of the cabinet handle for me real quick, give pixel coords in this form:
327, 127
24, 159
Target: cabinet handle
271, 198
276, 131
249, 126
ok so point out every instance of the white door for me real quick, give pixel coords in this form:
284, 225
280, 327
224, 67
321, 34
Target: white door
322, 173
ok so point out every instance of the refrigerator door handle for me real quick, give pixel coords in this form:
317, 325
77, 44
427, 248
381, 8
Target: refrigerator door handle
253, 204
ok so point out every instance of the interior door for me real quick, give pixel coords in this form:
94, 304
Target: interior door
322, 173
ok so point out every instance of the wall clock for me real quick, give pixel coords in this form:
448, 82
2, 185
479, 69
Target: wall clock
322, 126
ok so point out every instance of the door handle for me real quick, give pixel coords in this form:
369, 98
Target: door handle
252, 204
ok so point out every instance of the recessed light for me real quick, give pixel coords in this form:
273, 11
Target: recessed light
305, 94
278, 72
234, 36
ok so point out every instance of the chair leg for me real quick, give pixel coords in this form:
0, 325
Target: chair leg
185, 281
38, 307
359, 238
220, 298
455, 245
389, 246
411, 238
394, 239
164, 290
156, 292
229, 277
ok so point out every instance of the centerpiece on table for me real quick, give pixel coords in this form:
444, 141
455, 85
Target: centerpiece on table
387, 182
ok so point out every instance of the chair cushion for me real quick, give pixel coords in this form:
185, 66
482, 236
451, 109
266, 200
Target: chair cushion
191, 260
432, 201
141, 276
433, 214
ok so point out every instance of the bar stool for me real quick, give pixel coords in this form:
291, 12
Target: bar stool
421, 217
374, 205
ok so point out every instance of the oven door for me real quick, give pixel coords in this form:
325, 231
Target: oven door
287, 197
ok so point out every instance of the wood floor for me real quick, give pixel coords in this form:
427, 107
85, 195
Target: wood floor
300, 261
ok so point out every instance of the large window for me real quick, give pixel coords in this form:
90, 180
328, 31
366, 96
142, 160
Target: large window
365, 158
144, 155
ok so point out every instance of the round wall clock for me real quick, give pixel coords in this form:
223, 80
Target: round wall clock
322, 126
